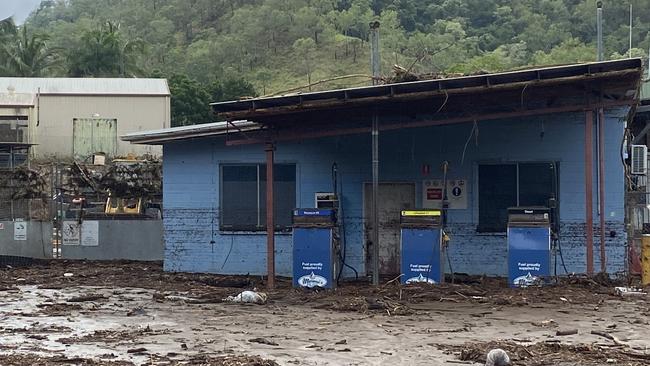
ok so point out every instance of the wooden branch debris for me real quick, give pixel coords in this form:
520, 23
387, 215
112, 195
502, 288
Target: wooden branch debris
609, 336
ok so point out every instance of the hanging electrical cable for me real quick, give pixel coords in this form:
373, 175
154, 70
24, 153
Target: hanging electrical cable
473, 132
337, 182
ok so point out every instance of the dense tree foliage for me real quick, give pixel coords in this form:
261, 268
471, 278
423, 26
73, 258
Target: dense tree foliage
227, 47
23, 53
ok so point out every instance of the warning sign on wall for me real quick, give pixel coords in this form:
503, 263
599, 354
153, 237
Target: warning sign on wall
90, 233
432, 193
20, 229
70, 233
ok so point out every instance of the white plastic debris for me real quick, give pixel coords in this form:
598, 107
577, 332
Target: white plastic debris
252, 297
68, 274
497, 357
629, 291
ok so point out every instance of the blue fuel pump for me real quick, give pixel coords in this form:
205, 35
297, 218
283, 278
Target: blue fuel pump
529, 246
313, 248
421, 246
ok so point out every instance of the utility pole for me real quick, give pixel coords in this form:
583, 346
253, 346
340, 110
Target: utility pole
599, 28
374, 64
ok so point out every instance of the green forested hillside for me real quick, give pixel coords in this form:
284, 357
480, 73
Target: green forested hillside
222, 49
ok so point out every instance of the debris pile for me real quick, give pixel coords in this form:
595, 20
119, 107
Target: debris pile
133, 179
549, 353
123, 178
402, 74
27, 184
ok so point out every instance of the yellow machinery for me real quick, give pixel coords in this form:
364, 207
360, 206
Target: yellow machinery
123, 206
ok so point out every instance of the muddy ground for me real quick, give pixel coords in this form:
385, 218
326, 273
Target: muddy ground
124, 313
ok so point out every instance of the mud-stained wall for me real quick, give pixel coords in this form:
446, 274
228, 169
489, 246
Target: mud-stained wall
194, 242
37, 241
122, 239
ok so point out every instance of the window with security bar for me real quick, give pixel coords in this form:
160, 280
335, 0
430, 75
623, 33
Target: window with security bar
243, 196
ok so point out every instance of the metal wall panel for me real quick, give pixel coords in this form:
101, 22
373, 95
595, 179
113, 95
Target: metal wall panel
94, 135
54, 133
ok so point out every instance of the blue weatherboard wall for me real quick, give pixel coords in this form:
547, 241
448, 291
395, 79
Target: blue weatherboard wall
194, 243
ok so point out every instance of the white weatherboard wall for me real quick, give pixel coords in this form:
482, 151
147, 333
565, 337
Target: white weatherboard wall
194, 243
53, 134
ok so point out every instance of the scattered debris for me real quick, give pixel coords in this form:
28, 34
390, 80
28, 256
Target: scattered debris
89, 297
137, 350
608, 336
252, 297
136, 311
567, 332
263, 341
548, 353
629, 291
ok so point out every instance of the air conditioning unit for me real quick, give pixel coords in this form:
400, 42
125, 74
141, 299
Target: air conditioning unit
639, 163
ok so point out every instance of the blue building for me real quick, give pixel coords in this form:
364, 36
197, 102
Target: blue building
500, 140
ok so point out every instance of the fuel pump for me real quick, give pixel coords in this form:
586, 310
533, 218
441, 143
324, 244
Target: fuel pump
421, 246
529, 246
314, 259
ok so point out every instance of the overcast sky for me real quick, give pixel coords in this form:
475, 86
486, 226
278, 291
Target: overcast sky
19, 9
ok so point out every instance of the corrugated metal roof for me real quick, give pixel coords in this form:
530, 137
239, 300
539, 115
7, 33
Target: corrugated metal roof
81, 86
247, 109
156, 137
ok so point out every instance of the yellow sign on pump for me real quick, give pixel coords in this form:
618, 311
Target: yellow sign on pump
421, 213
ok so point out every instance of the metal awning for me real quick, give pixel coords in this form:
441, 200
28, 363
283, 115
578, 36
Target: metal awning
155, 137
558, 89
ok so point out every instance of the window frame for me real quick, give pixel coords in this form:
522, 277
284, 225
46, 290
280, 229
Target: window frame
555, 187
260, 228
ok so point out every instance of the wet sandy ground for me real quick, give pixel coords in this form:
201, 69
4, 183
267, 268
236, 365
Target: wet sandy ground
77, 324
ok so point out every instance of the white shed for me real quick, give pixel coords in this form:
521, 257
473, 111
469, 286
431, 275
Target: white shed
77, 117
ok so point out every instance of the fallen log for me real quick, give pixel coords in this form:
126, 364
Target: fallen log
566, 332
84, 298
608, 336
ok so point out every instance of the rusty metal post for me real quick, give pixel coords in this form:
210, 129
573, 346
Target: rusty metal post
270, 222
601, 187
589, 198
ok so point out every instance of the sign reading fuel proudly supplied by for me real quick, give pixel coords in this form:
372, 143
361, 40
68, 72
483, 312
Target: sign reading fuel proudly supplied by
421, 255
529, 255
313, 257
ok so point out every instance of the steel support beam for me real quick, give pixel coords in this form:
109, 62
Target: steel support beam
601, 187
589, 194
270, 222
